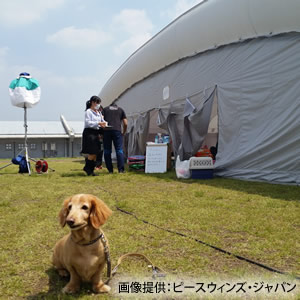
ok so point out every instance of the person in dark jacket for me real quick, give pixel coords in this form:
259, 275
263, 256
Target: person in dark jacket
117, 126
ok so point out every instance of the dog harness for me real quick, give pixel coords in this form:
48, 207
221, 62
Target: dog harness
156, 271
106, 250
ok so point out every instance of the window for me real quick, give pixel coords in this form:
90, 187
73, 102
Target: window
8, 147
32, 146
21, 146
44, 146
52, 146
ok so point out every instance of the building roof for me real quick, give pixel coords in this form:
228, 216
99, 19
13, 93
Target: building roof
76, 127
39, 129
34, 127
208, 25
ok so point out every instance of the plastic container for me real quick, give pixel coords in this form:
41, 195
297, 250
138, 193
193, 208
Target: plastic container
201, 163
160, 138
202, 173
201, 167
166, 139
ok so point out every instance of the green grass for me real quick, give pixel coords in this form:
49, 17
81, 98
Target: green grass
258, 221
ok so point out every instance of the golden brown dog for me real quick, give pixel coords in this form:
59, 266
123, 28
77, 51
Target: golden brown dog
81, 253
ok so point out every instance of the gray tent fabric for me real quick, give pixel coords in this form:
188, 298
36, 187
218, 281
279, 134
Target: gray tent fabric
171, 120
196, 122
188, 108
178, 119
261, 144
138, 128
174, 131
171, 125
258, 104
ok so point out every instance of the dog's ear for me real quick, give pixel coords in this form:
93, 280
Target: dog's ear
99, 212
64, 212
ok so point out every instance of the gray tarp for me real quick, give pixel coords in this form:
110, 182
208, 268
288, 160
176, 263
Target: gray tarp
170, 119
187, 122
258, 89
196, 122
138, 128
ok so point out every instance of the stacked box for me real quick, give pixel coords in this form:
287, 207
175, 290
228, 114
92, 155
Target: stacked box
136, 163
201, 167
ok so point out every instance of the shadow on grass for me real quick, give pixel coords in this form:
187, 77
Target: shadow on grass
13, 169
82, 174
168, 176
10, 173
75, 174
276, 191
79, 161
55, 286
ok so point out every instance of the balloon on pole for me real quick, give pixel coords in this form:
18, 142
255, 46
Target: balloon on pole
24, 91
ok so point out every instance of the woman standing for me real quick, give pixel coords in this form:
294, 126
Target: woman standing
93, 123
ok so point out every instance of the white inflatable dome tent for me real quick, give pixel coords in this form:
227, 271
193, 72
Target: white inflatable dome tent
225, 72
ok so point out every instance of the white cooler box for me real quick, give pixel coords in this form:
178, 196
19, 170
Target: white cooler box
201, 167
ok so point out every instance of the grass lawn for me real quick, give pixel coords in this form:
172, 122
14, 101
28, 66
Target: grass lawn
258, 221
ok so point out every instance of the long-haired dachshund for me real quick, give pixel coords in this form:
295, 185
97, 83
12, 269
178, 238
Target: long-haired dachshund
80, 253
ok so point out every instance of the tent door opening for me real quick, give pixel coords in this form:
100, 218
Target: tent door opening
212, 137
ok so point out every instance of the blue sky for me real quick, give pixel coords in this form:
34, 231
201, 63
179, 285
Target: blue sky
72, 47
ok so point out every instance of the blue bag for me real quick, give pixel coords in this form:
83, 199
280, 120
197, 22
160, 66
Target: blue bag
23, 167
17, 160
21, 161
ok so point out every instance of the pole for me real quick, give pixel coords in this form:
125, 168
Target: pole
26, 145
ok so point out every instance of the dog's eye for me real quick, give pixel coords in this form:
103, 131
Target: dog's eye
84, 207
70, 207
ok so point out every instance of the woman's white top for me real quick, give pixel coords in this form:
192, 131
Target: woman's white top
92, 119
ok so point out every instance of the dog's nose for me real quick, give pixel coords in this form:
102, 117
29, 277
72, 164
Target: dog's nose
70, 222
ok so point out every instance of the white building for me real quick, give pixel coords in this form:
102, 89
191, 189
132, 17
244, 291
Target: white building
45, 138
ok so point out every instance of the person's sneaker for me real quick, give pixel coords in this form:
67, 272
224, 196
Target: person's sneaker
121, 171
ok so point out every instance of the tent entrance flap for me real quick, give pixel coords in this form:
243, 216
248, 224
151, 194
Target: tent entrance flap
138, 128
170, 119
211, 138
190, 124
153, 127
196, 126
